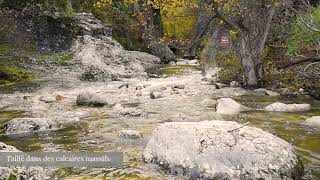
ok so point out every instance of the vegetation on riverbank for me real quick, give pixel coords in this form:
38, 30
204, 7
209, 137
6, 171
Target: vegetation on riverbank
12, 74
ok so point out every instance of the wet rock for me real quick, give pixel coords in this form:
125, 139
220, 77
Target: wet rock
272, 94
208, 103
265, 92
212, 72
21, 173
119, 110
91, 99
182, 62
172, 63
260, 92
281, 107
130, 134
229, 106
314, 121
286, 91
234, 84
124, 85
48, 99
220, 85
155, 95
28, 125
180, 118
193, 62
161, 51
179, 86
222, 150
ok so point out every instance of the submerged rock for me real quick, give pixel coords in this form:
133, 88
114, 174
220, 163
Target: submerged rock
314, 121
130, 134
208, 103
272, 94
21, 173
221, 150
180, 118
28, 125
48, 99
281, 107
229, 106
91, 99
265, 92
119, 110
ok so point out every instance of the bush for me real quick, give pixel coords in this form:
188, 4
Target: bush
232, 69
10, 74
301, 38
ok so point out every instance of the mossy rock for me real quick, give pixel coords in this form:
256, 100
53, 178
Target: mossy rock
59, 58
4, 49
11, 74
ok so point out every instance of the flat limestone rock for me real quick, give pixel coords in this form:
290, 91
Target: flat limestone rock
281, 107
221, 150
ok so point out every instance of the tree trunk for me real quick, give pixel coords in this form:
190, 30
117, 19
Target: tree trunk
149, 19
199, 30
249, 69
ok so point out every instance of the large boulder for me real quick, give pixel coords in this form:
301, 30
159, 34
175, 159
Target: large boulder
161, 51
314, 121
281, 107
221, 150
21, 173
230, 106
104, 59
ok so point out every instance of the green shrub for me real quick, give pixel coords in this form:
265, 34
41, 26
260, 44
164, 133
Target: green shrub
232, 69
10, 74
4, 49
301, 37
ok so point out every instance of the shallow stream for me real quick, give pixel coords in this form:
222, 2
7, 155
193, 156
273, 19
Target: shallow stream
99, 133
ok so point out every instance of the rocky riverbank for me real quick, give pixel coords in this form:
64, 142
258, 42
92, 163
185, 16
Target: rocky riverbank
103, 99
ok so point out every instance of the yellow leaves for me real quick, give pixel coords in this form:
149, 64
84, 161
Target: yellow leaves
233, 34
102, 3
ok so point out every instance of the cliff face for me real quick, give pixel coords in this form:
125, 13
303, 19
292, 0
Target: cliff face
35, 27
76, 46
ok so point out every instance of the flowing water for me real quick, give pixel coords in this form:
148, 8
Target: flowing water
99, 133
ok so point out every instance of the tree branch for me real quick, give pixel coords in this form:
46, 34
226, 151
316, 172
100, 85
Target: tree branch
266, 29
309, 59
221, 16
